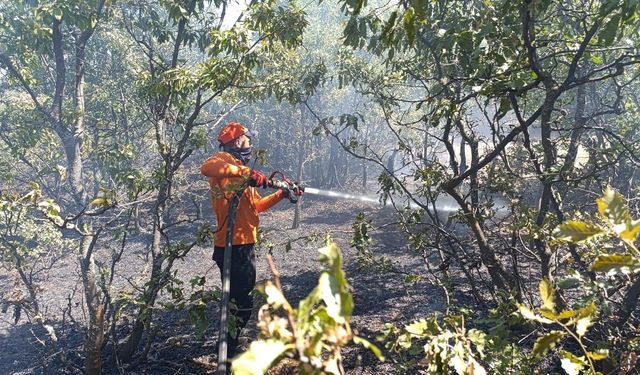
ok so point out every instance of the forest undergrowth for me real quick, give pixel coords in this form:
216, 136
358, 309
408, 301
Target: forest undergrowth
379, 297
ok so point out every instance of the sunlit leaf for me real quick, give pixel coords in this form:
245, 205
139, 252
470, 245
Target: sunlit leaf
331, 255
621, 263
274, 295
577, 231
571, 363
478, 337
331, 366
417, 328
632, 231
566, 314
546, 342
612, 206
99, 202
474, 368
585, 319
333, 285
597, 60
330, 296
549, 314
530, 315
259, 358
458, 360
305, 307
547, 294
598, 355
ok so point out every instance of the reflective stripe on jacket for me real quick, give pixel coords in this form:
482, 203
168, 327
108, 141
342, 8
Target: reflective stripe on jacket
226, 174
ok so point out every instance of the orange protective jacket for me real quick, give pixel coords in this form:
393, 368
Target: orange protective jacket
226, 174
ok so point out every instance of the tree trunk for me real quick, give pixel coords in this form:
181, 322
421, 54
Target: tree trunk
129, 347
391, 163
364, 173
95, 330
463, 155
500, 278
544, 202
299, 176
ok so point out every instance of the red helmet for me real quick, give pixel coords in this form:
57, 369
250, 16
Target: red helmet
232, 131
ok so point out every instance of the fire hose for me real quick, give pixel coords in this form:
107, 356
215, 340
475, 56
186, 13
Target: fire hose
293, 190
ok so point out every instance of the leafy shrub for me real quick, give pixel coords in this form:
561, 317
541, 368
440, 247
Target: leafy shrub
312, 334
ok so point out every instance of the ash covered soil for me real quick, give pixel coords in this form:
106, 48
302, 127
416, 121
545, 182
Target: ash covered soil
379, 297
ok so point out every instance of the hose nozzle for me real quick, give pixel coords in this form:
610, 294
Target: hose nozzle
293, 189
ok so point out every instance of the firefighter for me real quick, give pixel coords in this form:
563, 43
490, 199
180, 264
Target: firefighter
227, 170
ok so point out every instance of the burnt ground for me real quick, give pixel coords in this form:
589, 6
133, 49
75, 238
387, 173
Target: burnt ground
379, 297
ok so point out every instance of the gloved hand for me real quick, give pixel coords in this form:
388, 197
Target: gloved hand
298, 191
258, 179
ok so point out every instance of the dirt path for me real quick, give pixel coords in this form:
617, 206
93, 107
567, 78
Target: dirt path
379, 298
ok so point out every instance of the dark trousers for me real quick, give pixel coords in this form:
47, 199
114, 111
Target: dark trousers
243, 280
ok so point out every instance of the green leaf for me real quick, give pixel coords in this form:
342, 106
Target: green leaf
305, 307
332, 297
358, 7
597, 60
465, 41
618, 263
417, 328
609, 31
612, 207
505, 106
577, 231
607, 7
368, 345
57, 13
566, 314
317, 130
530, 315
549, 314
274, 295
198, 319
574, 280
387, 31
547, 294
333, 286
458, 360
99, 202
598, 355
331, 255
259, 358
546, 342
572, 364
585, 319
632, 231
408, 22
